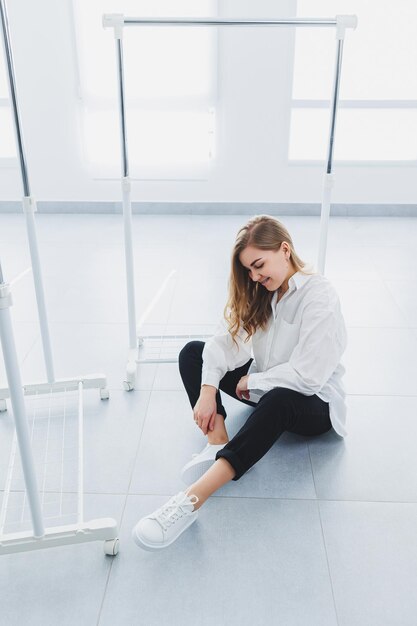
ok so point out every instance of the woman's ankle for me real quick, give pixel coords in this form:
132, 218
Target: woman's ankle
217, 440
219, 435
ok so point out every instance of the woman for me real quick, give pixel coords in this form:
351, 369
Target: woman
291, 320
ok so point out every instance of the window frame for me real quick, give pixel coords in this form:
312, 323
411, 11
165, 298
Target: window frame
350, 104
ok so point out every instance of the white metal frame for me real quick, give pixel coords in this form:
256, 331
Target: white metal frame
29, 207
105, 529
118, 22
99, 529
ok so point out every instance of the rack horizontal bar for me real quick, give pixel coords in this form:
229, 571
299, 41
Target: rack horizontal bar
171, 21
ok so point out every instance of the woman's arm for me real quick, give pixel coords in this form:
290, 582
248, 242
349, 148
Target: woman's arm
221, 355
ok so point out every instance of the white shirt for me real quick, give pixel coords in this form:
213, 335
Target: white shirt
300, 348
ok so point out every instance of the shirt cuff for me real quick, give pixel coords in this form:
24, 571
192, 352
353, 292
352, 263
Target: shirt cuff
210, 378
255, 380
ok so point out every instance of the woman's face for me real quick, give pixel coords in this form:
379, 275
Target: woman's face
270, 268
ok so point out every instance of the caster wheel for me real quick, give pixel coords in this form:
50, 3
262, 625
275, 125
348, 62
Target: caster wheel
3, 406
104, 394
127, 386
111, 547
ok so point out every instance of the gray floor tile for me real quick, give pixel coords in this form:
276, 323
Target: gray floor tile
381, 361
376, 461
372, 552
393, 261
380, 230
111, 437
82, 349
62, 585
218, 572
405, 296
25, 337
369, 303
346, 263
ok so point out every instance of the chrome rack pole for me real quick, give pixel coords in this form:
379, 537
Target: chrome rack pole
175, 21
29, 204
328, 180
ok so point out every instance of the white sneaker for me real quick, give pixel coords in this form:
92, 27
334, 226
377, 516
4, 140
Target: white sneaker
200, 463
166, 524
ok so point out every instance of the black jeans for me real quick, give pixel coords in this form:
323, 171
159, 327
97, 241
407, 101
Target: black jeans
277, 411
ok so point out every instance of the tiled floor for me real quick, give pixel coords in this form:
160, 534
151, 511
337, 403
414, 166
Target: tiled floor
322, 532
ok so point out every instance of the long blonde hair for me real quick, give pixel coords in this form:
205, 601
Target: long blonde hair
249, 305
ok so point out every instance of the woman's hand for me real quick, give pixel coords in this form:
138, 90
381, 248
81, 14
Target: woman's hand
205, 409
242, 388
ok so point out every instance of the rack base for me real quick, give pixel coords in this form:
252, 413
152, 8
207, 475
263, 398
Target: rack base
151, 350
104, 529
92, 381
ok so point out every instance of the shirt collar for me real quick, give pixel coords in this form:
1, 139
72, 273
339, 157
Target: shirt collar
296, 281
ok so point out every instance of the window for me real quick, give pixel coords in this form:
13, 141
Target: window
170, 87
377, 115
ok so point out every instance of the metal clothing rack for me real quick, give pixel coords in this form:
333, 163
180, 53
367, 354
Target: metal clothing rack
118, 22
27, 488
55, 438
97, 381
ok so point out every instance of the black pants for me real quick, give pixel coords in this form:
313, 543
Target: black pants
277, 411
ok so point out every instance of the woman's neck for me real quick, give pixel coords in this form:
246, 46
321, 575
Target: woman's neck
284, 286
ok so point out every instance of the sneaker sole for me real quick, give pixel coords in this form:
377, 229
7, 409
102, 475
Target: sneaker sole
195, 470
151, 547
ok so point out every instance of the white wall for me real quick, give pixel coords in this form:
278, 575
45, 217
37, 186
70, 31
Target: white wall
253, 119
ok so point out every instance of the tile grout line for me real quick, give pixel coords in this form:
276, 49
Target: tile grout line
123, 509
322, 535
327, 560
400, 308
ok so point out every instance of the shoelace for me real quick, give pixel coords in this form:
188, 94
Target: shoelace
173, 510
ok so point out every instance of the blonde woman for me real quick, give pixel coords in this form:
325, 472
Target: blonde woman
290, 320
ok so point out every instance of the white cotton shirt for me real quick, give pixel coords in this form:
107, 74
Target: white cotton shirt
300, 348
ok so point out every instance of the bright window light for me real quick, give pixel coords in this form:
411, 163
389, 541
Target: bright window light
170, 86
154, 138
383, 134
377, 113
377, 58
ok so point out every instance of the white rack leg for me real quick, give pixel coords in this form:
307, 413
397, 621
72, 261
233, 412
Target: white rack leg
129, 382
19, 410
29, 207
130, 274
80, 454
324, 220
328, 177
